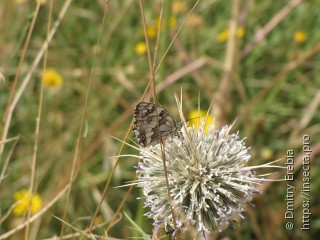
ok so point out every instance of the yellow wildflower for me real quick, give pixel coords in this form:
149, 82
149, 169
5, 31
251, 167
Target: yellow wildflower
224, 35
196, 118
266, 153
51, 78
23, 200
98, 220
151, 31
140, 48
172, 22
300, 36
240, 32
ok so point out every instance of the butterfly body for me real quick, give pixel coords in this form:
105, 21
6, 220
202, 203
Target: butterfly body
152, 123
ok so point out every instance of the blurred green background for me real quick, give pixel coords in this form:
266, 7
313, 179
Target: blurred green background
272, 90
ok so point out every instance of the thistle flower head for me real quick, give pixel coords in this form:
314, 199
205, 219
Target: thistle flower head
209, 182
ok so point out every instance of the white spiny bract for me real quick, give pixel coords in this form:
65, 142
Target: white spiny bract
209, 182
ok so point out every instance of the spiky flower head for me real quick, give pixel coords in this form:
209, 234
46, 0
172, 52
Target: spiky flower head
210, 184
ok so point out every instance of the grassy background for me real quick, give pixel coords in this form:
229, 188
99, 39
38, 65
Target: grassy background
273, 91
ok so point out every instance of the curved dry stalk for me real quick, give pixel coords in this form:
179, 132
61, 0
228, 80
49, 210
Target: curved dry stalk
6, 163
73, 170
33, 186
7, 111
23, 55
29, 74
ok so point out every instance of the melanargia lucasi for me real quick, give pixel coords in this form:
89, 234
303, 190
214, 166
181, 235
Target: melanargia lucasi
152, 122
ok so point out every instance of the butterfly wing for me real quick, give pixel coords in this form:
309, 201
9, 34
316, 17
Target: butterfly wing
152, 122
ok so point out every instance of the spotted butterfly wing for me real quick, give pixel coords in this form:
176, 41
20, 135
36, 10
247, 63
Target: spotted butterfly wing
152, 122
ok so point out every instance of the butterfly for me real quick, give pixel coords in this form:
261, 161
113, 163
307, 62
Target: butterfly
152, 123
